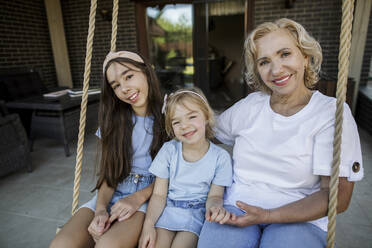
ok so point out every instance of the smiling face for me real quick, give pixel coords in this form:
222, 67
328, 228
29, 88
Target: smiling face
188, 123
130, 85
280, 63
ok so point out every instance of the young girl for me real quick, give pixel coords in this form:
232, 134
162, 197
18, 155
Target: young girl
131, 134
191, 173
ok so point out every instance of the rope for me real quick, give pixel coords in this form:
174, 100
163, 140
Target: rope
345, 40
115, 10
84, 100
343, 69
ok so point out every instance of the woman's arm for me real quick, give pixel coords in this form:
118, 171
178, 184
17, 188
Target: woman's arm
309, 208
154, 210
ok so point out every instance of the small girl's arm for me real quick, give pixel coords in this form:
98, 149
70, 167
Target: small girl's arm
154, 210
215, 212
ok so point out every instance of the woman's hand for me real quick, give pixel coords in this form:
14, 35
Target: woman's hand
218, 214
253, 215
124, 208
99, 224
148, 237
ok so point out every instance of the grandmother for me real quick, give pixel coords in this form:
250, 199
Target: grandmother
283, 144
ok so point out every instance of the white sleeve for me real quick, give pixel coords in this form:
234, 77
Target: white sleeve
225, 124
351, 156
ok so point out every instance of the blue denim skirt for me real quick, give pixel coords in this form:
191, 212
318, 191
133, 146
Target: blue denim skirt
130, 185
182, 216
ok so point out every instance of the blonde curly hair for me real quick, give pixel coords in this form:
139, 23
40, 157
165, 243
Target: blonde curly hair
308, 46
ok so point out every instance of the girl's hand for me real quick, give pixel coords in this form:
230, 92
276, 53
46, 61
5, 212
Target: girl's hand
218, 214
124, 208
148, 237
253, 215
99, 224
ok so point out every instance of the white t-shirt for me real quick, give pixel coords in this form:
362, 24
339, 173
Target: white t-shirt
278, 160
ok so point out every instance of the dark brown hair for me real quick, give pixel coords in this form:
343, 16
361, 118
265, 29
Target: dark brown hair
116, 126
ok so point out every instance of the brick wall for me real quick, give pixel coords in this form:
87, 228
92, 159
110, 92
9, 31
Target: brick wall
25, 42
367, 53
24, 38
322, 19
76, 21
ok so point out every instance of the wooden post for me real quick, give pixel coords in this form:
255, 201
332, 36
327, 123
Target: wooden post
248, 17
58, 40
358, 42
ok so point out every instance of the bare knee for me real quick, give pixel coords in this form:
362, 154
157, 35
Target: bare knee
55, 243
112, 243
65, 239
61, 241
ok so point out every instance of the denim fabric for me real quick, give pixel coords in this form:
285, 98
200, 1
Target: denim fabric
291, 235
185, 204
182, 216
131, 184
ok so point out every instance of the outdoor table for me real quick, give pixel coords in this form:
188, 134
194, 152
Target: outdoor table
57, 118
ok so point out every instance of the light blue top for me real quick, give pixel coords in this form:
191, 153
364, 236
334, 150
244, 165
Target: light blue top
191, 180
141, 142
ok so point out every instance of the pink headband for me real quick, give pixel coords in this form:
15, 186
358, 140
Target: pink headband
163, 108
121, 54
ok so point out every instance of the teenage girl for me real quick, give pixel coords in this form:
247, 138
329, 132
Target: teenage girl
191, 175
131, 134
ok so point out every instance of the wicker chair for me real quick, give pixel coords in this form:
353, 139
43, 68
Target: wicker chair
14, 148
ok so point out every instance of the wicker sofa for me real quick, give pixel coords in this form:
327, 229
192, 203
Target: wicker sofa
14, 148
21, 83
56, 118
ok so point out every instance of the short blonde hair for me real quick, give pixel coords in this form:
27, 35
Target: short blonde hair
308, 46
184, 96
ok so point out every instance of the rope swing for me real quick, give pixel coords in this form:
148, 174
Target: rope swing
84, 100
343, 67
343, 70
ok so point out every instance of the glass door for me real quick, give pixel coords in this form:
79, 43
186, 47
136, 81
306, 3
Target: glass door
170, 44
197, 43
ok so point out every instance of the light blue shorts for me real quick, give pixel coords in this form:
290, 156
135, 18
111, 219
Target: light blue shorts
182, 216
131, 184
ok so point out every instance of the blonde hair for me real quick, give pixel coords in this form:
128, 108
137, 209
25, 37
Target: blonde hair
183, 97
308, 46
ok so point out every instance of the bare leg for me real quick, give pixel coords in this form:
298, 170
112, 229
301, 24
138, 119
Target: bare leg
75, 232
185, 240
164, 238
123, 234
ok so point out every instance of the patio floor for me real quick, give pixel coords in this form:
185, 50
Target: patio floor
34, 204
